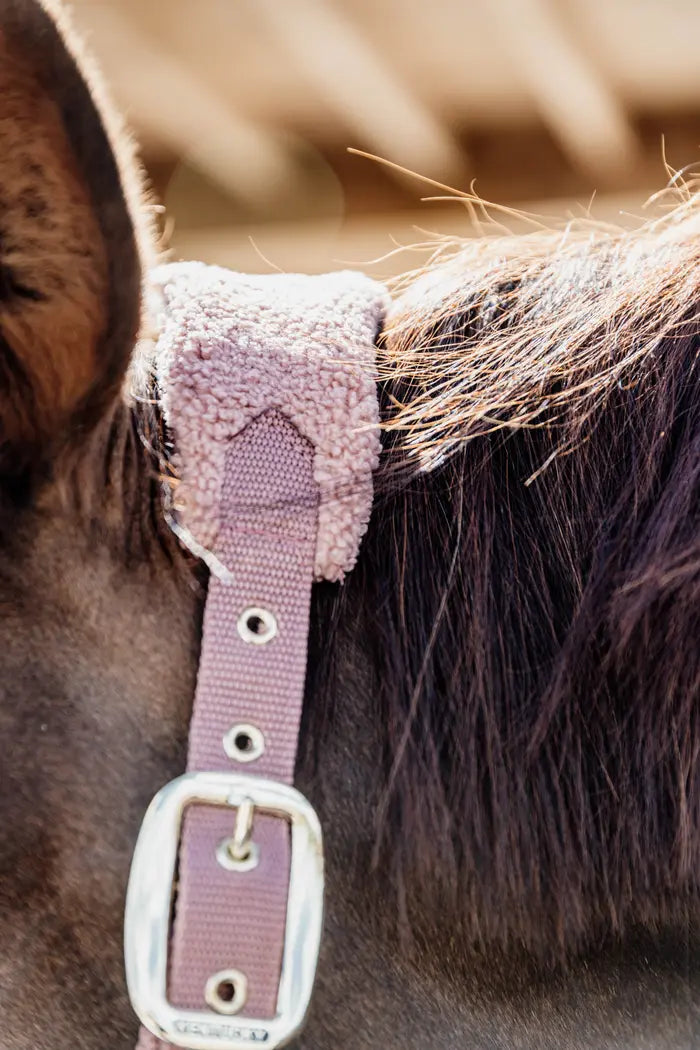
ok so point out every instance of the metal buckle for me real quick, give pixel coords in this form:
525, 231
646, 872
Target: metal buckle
149, 906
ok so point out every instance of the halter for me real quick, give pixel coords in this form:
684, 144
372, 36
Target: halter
269, 388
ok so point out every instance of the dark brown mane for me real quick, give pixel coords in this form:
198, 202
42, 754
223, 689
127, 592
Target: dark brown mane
531, 596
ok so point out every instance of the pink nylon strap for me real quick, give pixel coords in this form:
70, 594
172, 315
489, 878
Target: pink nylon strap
227, 919
269, 386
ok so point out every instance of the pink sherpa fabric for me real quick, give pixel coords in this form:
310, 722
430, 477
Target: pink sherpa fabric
233, 346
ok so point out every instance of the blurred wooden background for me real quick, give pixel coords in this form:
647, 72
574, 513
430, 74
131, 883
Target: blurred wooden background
245, 108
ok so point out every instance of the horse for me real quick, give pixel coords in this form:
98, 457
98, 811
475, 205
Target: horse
501, 728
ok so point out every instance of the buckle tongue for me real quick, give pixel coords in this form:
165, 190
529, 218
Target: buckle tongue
149, 906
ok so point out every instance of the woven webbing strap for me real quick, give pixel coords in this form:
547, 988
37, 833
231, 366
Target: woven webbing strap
278, 496
226, 919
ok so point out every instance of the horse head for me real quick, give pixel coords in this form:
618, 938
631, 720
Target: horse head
500, 729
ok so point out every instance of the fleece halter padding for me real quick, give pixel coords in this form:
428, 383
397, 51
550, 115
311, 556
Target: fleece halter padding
269, 388
235, 346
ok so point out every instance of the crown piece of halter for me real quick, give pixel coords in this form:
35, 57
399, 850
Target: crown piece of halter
235, 346
269, 388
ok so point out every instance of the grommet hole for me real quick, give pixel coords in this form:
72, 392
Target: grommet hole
257, 625
226, 991
244, 743
246, 862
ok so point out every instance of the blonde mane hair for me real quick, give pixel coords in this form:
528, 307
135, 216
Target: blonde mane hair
534, 330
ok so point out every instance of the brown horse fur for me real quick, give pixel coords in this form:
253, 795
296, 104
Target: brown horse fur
501, 727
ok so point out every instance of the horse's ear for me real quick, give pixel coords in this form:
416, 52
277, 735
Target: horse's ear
70, 272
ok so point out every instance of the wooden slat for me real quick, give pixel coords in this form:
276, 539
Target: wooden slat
351, 74
571, 95
166, 104
370, 243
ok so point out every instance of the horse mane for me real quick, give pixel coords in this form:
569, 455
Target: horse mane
533, 330
530, 585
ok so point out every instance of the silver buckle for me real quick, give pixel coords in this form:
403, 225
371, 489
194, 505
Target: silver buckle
149, 906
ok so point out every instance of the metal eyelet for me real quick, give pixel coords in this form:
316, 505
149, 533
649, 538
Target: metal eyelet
226, 991
256, 625
225, 856
239, 852
244, 742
